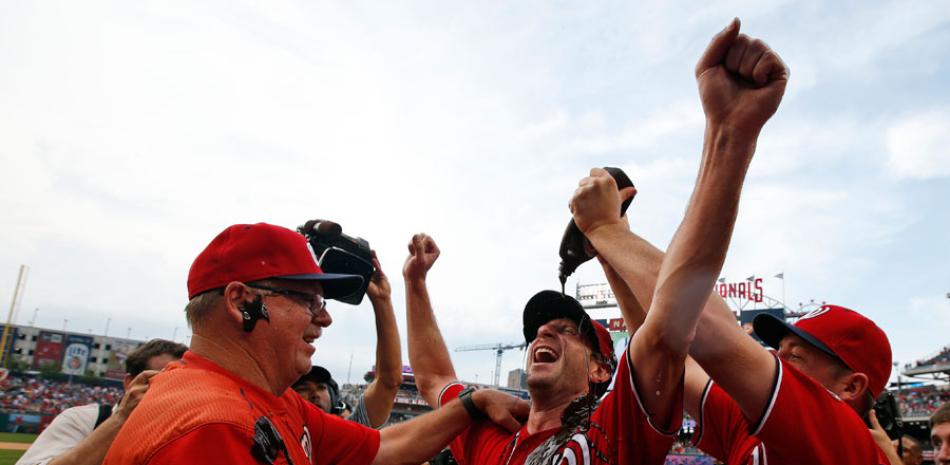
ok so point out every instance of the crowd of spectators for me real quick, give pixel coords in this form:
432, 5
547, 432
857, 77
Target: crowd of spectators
674, 459
941, 358
43, 396
922, 401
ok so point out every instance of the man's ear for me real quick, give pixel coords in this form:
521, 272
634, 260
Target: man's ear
854, 386
236, 297
599, 372
126, 381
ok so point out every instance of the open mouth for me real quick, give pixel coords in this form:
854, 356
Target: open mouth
544, 354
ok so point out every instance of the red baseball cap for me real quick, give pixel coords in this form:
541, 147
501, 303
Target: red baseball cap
551, 305
840, 332
251, 252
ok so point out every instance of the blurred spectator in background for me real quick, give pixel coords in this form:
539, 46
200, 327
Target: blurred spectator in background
912, 454
82, 435
49, 397
376, 402
922, 401
940, 435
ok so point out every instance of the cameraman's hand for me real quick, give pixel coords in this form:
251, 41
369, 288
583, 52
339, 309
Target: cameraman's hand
882, 440
423, 252
378, 287
133, 395
596, 201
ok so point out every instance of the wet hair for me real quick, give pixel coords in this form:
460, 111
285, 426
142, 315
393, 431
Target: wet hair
137, 361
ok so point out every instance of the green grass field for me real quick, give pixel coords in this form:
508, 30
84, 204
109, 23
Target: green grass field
9, 457
17, 437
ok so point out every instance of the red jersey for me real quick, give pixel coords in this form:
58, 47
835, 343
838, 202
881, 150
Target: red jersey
619, 433
197, 412
804, 423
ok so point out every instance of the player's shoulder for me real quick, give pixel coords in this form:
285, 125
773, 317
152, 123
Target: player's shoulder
84, 415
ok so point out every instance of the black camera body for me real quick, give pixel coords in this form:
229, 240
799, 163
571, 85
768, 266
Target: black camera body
889, 415
339, 253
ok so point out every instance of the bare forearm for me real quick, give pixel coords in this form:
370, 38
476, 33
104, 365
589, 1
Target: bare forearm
636, 262
382, 393
428, 354
698, 249
631, 310
92, 450
417, 440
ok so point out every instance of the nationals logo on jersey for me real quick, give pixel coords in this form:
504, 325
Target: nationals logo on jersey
305, 443
580, 442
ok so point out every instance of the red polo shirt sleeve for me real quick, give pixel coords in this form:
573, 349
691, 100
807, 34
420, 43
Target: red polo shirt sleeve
336, 440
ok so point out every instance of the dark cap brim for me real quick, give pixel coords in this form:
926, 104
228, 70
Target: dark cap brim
770, 329
317, 374
335, 286
551, 305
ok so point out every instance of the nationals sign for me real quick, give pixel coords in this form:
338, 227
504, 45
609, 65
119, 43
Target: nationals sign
747, 290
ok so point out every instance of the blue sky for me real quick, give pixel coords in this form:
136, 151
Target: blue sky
133, 133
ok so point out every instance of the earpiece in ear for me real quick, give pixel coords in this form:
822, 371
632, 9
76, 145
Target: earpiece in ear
253, 311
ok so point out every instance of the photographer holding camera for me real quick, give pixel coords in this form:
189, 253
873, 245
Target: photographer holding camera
376, 402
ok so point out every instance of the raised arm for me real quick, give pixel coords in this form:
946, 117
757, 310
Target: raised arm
381, 393
428, 355
741, 83
632, 265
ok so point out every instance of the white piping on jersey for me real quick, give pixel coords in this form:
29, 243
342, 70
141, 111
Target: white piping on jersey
768, 410
444, 388
514, 445
759, 457
636, 395
702, 412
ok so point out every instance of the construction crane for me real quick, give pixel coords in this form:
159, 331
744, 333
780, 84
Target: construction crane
499, 349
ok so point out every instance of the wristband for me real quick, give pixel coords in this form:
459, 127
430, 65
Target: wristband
465, 397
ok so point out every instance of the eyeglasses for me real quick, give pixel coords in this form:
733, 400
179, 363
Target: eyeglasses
314, 303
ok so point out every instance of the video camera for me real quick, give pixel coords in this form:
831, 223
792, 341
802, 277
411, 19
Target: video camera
339, 253
889, 415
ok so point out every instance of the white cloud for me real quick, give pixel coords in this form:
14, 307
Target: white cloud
919, 145
135, 133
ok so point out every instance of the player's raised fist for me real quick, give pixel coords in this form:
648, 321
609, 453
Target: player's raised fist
423, 252
741, 80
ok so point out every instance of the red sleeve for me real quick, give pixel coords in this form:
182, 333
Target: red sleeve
336, 440
801, 417
458, 445
722, 431
633, 435
212, 443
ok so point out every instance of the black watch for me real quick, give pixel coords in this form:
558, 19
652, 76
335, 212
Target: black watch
466, 398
